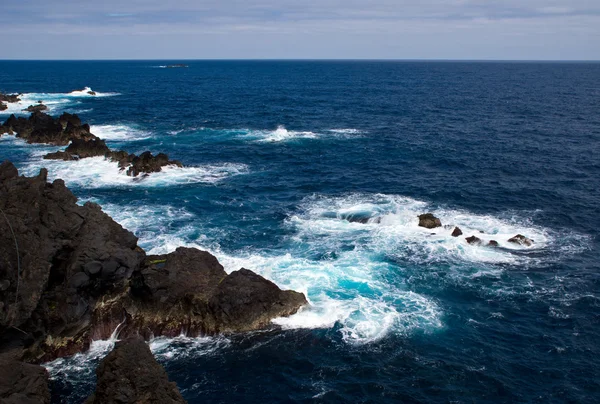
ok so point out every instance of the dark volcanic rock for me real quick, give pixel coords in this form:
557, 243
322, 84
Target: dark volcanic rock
60, 155
10, 97
22, 383
473, 240
56, 239
493, 243
91, 92
3, 106
34, 108
77, 274
42, 128
429, 221
521, 239
88, 148
130, 374
147, 163
457, 232
188, 290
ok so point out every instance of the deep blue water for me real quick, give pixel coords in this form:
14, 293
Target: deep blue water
280, 154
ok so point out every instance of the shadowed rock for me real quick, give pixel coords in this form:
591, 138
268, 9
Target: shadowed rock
42, 128
130, 374
22, 383
493, 243
457, 232
9, 97
3, 106
429, 221
60, 155
521, 240
88, 148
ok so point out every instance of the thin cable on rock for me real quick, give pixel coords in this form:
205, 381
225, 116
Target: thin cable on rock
18, 257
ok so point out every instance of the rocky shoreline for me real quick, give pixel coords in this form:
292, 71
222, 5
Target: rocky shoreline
70, 275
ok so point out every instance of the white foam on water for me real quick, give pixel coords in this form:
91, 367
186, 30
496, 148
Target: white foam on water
54, 101
98, 172
345, 267
119, 132
281, 134
187, 347
348, 131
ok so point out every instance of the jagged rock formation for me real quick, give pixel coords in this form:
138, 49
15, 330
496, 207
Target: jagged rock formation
473, 240
429, 221
42, 128
77, 274
130, 374
457, 232
23, 383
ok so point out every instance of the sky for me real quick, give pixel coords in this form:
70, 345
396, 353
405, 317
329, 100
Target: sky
301, 29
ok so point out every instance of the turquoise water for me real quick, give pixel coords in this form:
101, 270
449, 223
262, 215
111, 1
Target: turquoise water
279, 155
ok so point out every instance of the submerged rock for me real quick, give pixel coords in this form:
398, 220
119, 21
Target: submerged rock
23, 383
429, 221
521, 240
493, 243
130, 374
457, 232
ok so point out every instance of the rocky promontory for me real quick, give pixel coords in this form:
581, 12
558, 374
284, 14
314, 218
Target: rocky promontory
71, 275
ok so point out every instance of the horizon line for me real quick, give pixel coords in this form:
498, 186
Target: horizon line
306, 60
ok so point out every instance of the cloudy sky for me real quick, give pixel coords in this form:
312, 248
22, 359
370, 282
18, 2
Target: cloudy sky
330, 29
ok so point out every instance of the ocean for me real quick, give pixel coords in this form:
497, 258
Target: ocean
312, 174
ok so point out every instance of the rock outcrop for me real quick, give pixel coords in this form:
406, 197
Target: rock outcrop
23, 383
35, 108
521, 240
71, 274
429, 221
3, 106
42, 128
130, 374
9, 98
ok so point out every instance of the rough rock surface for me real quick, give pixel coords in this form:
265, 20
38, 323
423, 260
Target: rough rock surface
188, 290
82, 274
147, 163
130, 374
3, 106
521, 239
22, 383
88, 148
42, 128
429, 221
457, 232
493, 243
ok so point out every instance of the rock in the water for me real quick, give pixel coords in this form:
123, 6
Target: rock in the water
91, 92
85, 148
457, 232
42, 128
130, 374
22, 383
60, 155
521, 239
34, 108
10, 97
493, 243
473, 240
3, 106
429, 221
147, 163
